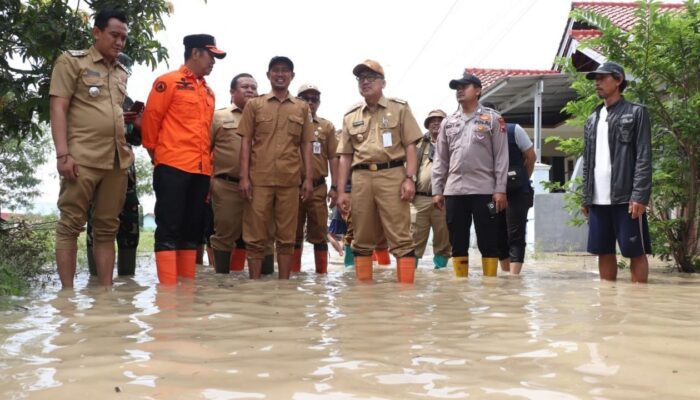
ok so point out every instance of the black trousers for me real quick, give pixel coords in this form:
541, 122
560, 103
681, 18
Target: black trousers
460, 210
512, 224
180, 208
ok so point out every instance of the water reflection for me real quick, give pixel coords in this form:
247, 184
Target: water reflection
554, 333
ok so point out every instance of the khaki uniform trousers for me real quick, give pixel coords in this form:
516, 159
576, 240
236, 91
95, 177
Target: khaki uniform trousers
274, 203
378, 193
428, 217
314, 214
105, 190
228, 208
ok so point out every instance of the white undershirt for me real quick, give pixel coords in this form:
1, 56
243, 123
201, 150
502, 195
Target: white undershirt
602, 170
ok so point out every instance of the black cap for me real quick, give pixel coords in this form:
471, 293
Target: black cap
608, 68
280, 60
466, 79
203, 41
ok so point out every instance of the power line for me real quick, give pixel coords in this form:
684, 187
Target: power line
427, 42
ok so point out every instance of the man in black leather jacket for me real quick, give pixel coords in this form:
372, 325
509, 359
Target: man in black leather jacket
617, 176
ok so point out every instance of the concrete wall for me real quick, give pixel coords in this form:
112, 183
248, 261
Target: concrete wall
552, 231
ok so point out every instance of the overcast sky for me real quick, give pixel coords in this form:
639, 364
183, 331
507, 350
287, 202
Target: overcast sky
422, 45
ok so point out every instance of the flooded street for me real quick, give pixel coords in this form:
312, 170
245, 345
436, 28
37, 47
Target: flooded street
554, 333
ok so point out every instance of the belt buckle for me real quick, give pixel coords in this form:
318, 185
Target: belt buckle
373, 167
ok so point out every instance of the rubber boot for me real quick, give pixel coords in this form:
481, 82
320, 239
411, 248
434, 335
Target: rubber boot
461, 266
166, 264
382, 256
440, 261
186, 263
199, 259
126, 262
222, 261
237, 262
349, 257
268, 265
489, 265
210, 256
406, 269
321, 259
363, 268
296, 259
91, 262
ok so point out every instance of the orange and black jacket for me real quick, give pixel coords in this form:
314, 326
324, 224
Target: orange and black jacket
176, 122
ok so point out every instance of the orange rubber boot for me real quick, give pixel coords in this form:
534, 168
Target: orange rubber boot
166, 265
363, 268
186, 260
296, 260
321, 259
382, 256
406, 269
238, 259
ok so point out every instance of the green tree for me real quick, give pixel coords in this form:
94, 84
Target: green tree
661, 55
34, 33
18, 162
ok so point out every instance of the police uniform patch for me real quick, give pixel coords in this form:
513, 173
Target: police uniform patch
484, 117
161, 86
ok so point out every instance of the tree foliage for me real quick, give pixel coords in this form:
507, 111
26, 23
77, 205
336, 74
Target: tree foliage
35, 32
661, 56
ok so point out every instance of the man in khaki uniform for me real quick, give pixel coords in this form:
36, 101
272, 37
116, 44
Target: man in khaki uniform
226, 147
428, 216
277, 133
87, 124
314, 212
379, 136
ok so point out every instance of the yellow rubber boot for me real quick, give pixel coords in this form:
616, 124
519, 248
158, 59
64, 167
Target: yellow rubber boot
461, 266
489, 265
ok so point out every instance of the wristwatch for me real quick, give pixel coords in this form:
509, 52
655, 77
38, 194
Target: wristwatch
414, 178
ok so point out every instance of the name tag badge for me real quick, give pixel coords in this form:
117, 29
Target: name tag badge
386, 138
317, 147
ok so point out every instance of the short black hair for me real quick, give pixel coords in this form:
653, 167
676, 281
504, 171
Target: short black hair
234, 81
188, 51
623, 84
102, 18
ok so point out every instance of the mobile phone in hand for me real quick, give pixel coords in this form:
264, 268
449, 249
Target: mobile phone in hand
492, 208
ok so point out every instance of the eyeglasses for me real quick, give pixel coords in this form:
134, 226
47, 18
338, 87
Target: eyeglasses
311, 99
369, 78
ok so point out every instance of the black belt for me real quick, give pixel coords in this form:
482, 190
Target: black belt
379, 166
424, 194
229, 178
318, 182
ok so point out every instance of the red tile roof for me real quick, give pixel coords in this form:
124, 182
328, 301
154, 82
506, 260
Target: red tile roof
620, 14
490, 76
583, 34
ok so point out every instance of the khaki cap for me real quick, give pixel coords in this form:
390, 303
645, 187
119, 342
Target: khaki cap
368, 65
434, 114
306, 87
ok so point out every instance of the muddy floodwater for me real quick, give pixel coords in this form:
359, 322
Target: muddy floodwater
556, 332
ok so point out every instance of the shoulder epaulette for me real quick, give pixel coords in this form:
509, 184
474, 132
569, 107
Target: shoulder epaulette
125, 68
354, 107
77, 53
400, 101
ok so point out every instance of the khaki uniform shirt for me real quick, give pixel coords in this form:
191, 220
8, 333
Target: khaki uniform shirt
225, 141
95, 118
323, 146
425, 169
471, 156
277, 129
379, 136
